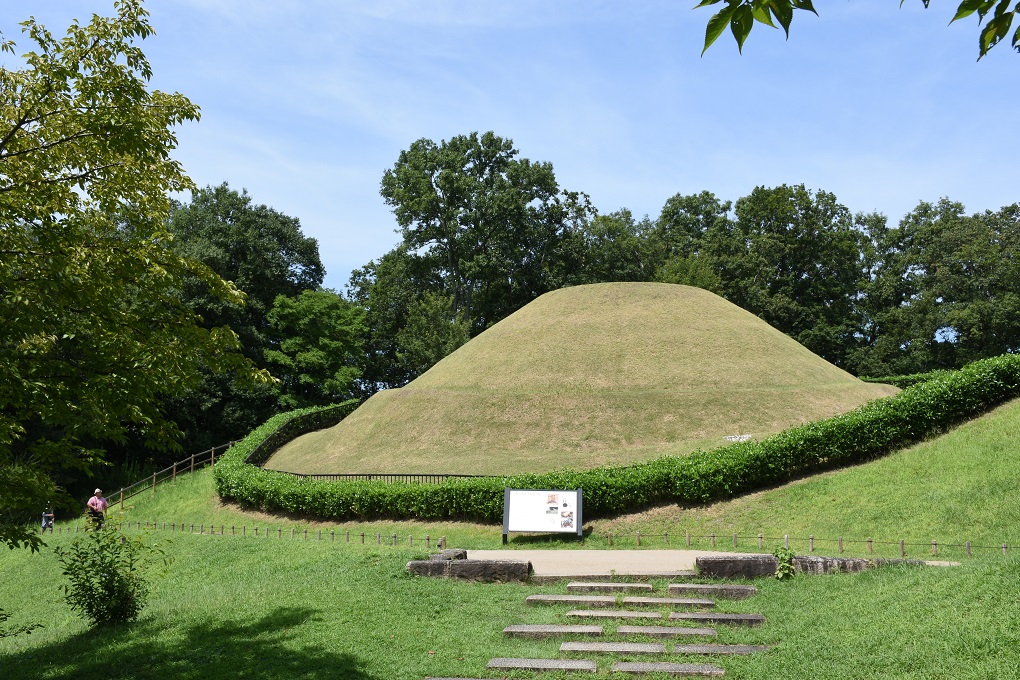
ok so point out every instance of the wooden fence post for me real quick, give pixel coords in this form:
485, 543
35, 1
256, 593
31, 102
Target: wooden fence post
760, 539
786, 541
871, 548
212, 457
903, 549
153, 482
811, 543
713, 540
192, 462
639, 539
934, 548
840, 545
174, 477
968, 548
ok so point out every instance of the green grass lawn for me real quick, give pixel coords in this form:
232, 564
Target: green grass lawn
280, 608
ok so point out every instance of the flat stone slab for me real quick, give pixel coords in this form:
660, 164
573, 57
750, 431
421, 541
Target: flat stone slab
716, 617
614, 647
719, 649
686, 602
472, 570
583, 665
613, 614
590, 600
664, 631
737, 566
529, 630
682, 669
590, 587
728, 592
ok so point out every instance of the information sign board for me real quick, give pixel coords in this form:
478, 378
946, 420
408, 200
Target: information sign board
542, 511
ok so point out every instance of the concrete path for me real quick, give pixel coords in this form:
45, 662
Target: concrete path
588, 563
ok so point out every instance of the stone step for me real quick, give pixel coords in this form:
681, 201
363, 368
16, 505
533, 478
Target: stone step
529, 630
716, 617
583, 665
590, 600
664, 631
579, 587
721, 590
681, 669
614, 647
719, 649
685, 602
613, 614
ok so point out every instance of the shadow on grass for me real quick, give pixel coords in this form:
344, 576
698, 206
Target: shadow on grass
146, 649
544, 539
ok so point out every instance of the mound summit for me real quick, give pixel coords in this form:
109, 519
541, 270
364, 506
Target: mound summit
586, 376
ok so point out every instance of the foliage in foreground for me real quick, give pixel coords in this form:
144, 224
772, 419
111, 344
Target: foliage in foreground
105, 570
868, 432
93, 335
741, 15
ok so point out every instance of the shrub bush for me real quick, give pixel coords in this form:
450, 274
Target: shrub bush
105, 573
877, 428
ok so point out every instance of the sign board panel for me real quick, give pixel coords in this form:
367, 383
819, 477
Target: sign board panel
542, 510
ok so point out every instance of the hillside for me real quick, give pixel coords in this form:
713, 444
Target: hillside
586, 376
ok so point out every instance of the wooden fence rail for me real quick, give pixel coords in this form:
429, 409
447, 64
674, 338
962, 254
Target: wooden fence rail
347, 534
194, 462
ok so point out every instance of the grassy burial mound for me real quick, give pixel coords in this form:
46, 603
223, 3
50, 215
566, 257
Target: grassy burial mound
593, 375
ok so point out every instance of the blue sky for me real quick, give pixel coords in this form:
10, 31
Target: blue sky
306, 103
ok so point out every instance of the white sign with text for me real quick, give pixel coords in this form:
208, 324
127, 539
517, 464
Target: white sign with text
542, 510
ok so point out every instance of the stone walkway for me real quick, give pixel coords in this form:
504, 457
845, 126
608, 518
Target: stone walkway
610, 602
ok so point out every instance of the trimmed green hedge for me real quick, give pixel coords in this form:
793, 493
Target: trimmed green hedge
905, 381
868, 432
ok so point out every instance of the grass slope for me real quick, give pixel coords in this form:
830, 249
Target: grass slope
588, 376
271, 608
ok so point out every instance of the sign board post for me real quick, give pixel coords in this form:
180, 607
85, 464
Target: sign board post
556, 511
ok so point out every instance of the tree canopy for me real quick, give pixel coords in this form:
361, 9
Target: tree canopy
93, 336
740, 16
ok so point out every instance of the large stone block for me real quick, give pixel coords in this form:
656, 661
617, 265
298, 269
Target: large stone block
435, 569
737, 566
502, 571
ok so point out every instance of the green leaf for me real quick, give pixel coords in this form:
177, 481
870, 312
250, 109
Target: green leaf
966, 8
706, 3
716, 25
805, 4
783, 11
994, 31
760, 10
741, 24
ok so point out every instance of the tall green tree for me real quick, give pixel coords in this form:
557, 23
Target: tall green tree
93, 337
433, 330
263, 253
794, 258
945, 292
616, 247
317, 341
388, 288
491, 224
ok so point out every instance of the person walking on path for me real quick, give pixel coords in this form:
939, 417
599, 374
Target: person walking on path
47, 519
96, 508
